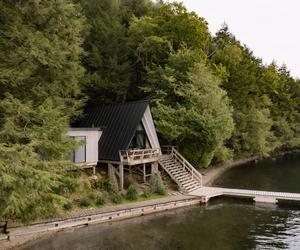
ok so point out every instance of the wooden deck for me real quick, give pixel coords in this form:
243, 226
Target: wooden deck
259, 196
139, 156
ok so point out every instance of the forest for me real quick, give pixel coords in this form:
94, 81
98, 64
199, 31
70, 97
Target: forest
210, 95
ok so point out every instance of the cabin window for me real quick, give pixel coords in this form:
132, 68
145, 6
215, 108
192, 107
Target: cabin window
140, 139
79, 154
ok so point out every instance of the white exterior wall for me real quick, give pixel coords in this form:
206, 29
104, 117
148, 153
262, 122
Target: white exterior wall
148, 124
92, 136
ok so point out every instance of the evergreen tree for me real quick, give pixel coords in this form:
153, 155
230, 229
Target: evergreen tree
106, 60
39, 81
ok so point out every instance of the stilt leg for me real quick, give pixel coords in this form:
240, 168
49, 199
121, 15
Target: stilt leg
121, 176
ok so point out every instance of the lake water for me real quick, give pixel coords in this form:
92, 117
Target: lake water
223, 224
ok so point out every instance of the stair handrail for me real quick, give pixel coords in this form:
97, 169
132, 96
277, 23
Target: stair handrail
195, 174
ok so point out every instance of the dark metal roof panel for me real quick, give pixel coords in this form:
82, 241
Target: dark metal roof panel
118, 122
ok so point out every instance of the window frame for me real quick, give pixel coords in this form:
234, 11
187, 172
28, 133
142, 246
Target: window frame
73, 154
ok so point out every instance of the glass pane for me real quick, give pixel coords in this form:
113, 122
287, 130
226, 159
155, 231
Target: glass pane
147, 143
140, 140
79, 153
140, 127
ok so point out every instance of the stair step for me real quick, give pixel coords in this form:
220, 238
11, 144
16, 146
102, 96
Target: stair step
173, 166
192, 189
178, 173
176, 168
189, 185
167, 161
186, 181
184, 177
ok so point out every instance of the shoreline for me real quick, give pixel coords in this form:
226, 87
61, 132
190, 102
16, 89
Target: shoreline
211, 173
209, 176
21, 235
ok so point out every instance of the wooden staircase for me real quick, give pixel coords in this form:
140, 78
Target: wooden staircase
181, 171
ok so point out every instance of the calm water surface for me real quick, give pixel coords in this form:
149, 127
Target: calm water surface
223, 224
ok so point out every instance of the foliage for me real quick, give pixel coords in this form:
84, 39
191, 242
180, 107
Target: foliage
117, 198
67, 186
40, 92
156, 184
68, 205
147, 193
113, 182
132, 192
101, 200
210, 95
85, 202
263, 98
104, 184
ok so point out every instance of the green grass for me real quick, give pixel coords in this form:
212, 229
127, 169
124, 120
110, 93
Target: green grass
143, 198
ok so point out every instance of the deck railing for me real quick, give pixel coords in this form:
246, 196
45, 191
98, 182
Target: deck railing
135, 156
186, 165
167, 149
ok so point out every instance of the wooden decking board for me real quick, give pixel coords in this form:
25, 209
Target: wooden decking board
209, 192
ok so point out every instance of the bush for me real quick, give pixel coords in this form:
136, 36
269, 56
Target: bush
147, 192
68, 205
117, 198
157, 185
113, 182
92, 196
67, 185
101, 200
104, 184
85, 202
132, 192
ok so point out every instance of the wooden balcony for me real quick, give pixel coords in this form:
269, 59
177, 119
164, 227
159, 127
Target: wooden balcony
139, 156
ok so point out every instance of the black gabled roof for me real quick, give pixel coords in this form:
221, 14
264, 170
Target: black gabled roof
119, 123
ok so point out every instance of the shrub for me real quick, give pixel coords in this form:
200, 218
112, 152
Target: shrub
104, 184
147, 192
132, 192
117, 198
85, 202
156, 184
92, 196
68, 205
67, 185
113, 182
101, 200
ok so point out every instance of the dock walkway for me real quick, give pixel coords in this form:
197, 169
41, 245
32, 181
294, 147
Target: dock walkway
259, 196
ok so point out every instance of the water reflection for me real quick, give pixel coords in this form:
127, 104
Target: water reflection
223, 224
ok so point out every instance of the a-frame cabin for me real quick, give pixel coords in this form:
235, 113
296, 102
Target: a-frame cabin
120, 135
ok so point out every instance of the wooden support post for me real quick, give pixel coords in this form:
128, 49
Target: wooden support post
144, 172
94, 170
154, 167
130, 171
121, 176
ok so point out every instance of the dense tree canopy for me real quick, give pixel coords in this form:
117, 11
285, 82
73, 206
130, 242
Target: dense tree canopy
210, 95
40, 91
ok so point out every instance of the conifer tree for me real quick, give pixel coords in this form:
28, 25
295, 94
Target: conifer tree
39, 81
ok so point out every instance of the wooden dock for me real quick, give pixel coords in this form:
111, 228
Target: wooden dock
258, 196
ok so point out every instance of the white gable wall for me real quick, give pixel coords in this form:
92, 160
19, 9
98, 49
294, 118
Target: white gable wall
148, 124
92, 136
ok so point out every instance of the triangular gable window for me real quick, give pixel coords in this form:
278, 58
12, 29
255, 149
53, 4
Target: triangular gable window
140, 139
